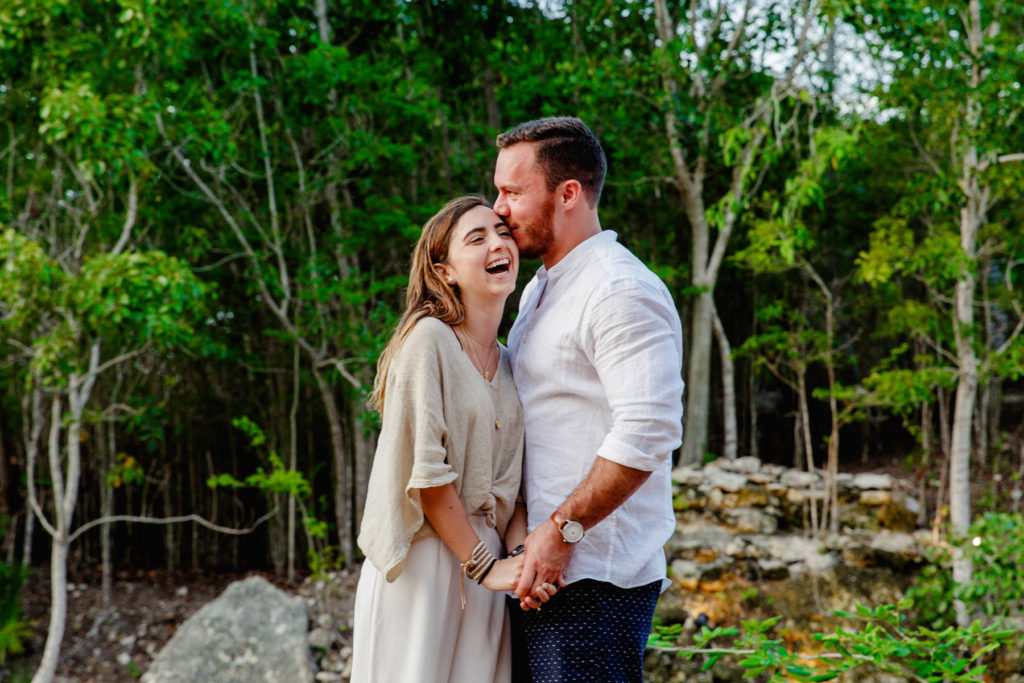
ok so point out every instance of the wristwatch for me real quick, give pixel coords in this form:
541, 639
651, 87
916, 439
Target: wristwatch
571, 530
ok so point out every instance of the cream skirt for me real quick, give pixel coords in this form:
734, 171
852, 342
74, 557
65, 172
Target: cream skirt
414, 629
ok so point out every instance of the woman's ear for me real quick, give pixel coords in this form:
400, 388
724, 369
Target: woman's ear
444, 273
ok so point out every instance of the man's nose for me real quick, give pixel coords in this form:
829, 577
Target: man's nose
500, 205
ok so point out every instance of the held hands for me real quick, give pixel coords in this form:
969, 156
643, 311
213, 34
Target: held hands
504, 575
547, 556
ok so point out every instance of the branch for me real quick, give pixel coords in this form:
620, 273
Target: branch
1007, 158
339, 365
202, 521
129, 219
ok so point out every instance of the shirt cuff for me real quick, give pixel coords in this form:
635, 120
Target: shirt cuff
618, 451
426, 476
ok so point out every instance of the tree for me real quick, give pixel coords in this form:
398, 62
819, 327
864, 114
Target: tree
721, 101
953, 66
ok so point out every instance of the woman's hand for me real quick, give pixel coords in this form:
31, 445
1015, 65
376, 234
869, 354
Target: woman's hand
504, 575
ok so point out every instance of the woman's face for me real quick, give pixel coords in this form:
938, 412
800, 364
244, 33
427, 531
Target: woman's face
482, 256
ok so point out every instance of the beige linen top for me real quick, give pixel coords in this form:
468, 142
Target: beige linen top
441, 423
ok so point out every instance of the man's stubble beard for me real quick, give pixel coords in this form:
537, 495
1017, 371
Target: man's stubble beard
540, 234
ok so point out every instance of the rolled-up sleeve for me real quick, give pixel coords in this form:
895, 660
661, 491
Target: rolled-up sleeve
634, 339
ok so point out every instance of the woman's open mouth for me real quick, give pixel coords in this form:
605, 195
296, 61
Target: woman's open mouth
499, 266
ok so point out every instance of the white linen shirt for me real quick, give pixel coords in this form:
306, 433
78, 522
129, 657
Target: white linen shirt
597, 357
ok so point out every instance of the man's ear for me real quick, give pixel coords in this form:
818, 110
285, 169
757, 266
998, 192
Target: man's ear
570, 193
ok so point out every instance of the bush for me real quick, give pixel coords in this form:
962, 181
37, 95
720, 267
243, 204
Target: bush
881, 642
995, 545
13, 630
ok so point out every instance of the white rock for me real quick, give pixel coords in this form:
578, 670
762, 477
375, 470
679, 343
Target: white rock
872, 480
819, 563
750, 521
687, 476
911, 504
748, 464
124, 659
320, 638
726, 481
798, 479
794, 548
684, 569
875, 497
773, 570
127, 642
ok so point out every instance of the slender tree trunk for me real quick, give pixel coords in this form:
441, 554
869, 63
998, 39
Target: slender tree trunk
106, 446
342, 486
805, 422
698, 380
752, 389
293, 457
58, 610
972, 216
731, 433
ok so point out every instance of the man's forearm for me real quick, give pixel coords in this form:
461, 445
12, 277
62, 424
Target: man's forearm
606, 487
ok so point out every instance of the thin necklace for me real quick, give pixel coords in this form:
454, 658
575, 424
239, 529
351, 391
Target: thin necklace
482, 367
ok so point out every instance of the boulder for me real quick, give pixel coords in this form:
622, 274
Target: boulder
252, 633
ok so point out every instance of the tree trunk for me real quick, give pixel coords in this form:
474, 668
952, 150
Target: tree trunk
342, 487
972, 217
731, 433
58, 610
106, 446
805, 422
698, 380
293, 457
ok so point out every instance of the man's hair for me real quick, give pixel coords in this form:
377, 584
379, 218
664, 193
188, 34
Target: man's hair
566, 150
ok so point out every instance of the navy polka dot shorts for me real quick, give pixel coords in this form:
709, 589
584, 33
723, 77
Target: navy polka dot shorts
589, 631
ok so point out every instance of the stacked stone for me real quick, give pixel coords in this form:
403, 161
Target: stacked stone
744, 518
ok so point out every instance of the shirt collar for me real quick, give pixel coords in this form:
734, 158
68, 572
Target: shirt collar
577, 257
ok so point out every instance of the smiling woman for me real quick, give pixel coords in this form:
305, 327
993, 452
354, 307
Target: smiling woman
442, 500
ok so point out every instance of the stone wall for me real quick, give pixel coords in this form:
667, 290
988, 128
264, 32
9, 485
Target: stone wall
747, 519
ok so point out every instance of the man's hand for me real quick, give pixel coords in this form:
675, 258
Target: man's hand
547, 556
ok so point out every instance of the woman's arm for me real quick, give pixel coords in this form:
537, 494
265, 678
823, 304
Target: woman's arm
516, 532
444, 511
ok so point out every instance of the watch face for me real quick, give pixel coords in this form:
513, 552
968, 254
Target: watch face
572, 532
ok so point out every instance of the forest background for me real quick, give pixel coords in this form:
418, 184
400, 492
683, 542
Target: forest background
207, 209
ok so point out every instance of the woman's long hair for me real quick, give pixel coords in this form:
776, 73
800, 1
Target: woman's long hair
428, 293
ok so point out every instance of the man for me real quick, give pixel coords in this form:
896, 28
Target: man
597, 355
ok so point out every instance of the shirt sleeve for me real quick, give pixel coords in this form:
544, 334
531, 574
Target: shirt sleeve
413, 407
635, 342
411, 453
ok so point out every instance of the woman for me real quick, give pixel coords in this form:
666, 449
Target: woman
442, 492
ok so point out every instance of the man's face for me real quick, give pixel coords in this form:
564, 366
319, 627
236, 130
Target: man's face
523, 199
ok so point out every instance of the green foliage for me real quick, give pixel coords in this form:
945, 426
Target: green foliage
882, 642
995, 545
126, 470
279, 480
13, 630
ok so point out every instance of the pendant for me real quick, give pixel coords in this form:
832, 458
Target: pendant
497, 423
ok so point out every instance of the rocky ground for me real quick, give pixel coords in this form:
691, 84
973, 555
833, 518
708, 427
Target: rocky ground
117, 644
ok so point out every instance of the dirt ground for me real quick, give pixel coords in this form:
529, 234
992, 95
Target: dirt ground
117, 644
